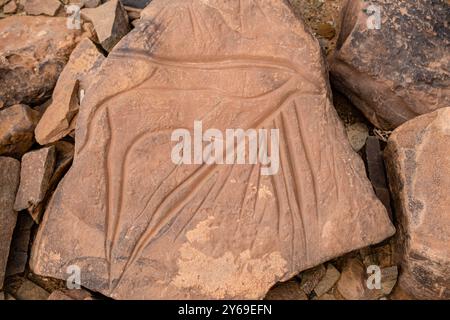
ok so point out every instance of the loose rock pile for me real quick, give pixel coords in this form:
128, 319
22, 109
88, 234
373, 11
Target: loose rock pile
86, 116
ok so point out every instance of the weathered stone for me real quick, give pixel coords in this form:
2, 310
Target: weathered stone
310, 278
357, 135
110, 22
57, 121
42, 7
380, 256
2, 295
353, 284
149, 228
36, 171
66, 294
31, 291
418, 163
64, 157
9, 182
18, 256
17, 125
400, 70
141, 4
289, 290
10, 7
327, 282
33, 52
377, 173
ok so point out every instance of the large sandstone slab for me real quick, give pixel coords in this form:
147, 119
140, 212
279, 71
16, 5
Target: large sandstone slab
9, 182
33, 52
397, 69
418, 161
140, 226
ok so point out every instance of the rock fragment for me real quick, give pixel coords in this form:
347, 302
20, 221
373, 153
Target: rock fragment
392, 58
18, 256
31, 291
17, 124
418, 163
357, 134
33, 52
311, 277
36, 171
9, 182
110, 22
328, 281
58, 119
289, 290
10, 7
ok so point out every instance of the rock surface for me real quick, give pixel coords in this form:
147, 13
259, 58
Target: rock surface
31, 291
398, 71
58, 119
17, 125
9, 182
42, 7
36, 171
418, 165
289, 290
33, 52
327, 282
149, 228
110, 22
18, 255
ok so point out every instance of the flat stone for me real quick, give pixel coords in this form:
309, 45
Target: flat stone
18, 256
150, 228
289, 290
310, 278
63, 161
110, 22
328, 281
58, 119
31, 291
9, 182
388, 279
17, 125
10, 7
357, 134
33, 52
397, 70
36, 171
42, 7
418, 163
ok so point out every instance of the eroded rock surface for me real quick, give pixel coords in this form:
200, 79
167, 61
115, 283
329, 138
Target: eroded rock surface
418, 164
9, 182
33, 52
394, 68
140, 226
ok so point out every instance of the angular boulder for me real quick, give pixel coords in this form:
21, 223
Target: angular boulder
9, 182
392, 58
58, 119
110, 21
17, 124
142, 226
33, 52
418, 165
42, 7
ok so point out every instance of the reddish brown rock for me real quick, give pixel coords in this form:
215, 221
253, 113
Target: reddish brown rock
310, 278
10, 7
327, 282
9, 182
140, 226
28, 290
33, 52
398, 71
17, 125
110, 22
418, 164
289, 290
58, 119
36, 171
42, 7
18, 254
